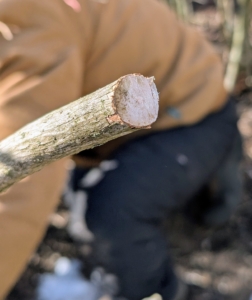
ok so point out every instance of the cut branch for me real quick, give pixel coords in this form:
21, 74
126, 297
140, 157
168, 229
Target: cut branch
128, 104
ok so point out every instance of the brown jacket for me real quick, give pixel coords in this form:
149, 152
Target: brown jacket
53, 52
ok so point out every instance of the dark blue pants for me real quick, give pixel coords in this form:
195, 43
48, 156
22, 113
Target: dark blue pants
155, 175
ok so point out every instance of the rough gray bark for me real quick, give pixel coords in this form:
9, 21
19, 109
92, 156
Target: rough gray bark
128, 104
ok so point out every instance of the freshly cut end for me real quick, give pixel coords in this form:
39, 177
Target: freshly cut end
136, 100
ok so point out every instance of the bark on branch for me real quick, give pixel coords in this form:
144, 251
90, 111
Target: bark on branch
128, 104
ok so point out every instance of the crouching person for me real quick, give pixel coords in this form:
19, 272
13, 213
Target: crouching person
153, 176
67, 49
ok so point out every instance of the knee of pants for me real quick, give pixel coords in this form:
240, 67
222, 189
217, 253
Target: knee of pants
228, 185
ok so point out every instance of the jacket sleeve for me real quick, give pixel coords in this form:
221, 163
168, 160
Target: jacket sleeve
41, 57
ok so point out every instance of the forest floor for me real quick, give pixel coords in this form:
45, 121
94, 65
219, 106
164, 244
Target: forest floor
216, 263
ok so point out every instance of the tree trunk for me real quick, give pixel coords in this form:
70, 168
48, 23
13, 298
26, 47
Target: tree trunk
128, 104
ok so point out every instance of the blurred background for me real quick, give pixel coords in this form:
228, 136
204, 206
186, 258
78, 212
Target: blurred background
216, 262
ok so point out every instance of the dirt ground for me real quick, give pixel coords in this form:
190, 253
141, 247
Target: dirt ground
215, 262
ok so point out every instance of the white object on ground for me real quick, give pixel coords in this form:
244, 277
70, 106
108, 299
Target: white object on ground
77, 201
66, 283
77, 226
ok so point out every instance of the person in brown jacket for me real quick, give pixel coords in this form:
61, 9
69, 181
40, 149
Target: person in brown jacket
53, 52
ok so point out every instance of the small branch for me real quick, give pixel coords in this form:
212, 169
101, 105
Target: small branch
128, 104
237, 46
183, 8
